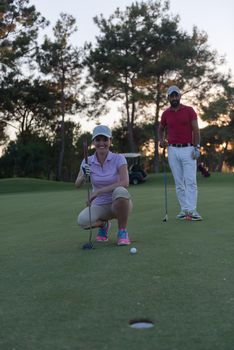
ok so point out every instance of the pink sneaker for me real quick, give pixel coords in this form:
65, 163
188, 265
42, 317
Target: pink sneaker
123, 238
102, 234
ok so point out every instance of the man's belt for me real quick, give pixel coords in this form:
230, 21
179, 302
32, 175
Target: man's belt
180, 144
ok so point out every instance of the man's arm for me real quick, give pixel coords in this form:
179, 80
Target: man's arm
196, 133
196, 140
162, 136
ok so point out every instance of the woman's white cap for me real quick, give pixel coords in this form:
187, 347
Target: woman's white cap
101, 130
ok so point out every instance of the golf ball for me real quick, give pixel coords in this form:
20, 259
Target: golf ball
133, 250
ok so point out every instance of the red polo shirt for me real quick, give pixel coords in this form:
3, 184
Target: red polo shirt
179, 124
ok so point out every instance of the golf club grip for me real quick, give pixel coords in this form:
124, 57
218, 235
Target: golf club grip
85, 149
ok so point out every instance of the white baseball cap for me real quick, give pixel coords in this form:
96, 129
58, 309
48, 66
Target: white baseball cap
101, 130
172, 89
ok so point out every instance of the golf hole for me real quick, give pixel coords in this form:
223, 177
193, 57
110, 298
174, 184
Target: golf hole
141, 323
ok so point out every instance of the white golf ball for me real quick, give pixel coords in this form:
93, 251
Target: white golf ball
133, 250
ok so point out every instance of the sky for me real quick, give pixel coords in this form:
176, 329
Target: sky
215, 17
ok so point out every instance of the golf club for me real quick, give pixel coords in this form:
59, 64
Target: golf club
165, 185
88, 245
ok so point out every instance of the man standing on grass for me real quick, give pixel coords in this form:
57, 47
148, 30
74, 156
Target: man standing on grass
179, 124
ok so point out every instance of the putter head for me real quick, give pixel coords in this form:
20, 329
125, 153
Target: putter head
165, 218
87, 246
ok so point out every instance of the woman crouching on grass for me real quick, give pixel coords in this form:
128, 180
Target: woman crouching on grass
109, 198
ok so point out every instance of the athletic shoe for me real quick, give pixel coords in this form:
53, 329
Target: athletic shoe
123, 238
181, 215
194, 216
102, 234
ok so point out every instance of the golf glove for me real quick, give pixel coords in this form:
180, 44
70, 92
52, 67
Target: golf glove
196, 153
86, 169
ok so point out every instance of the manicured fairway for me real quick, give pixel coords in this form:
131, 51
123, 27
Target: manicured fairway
56, 296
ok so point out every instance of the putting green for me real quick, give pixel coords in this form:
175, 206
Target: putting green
55, 295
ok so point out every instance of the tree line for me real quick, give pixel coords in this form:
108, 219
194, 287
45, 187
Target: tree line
138, 53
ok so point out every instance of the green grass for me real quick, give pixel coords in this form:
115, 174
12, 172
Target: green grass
24, 185
56, 296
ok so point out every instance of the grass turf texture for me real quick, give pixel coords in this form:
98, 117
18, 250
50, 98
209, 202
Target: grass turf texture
54, 295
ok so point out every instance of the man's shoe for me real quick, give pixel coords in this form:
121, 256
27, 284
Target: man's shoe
123, 238
102, 234
181, 215
194, 216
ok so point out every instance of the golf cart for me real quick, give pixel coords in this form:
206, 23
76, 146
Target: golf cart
136, 170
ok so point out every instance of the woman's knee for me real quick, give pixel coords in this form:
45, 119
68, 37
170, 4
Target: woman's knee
121, 200
83, 220
120, 192
80, 221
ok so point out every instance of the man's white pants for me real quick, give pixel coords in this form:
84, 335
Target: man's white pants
184, 171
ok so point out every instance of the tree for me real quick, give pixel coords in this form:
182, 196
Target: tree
114, 64
29, 104
139, 53
19, 25
73, 151
3, 135
142, 133
37, 156
31, 159
60, 60
218, 136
